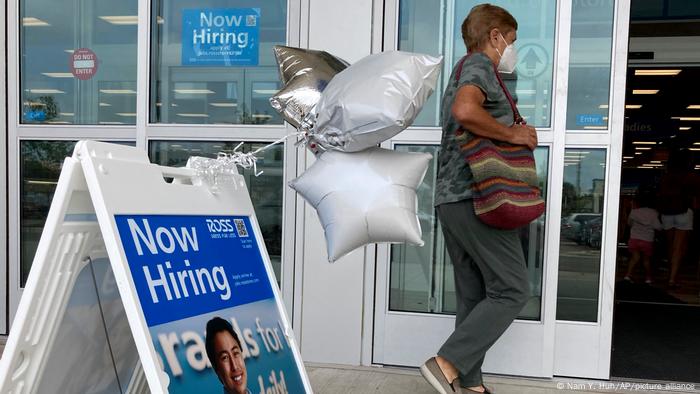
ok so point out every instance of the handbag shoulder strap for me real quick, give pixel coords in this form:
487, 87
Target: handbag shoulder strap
516, 114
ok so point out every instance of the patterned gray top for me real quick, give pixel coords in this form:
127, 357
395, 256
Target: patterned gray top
454, 179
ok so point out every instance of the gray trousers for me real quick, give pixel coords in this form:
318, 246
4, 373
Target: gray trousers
491, 284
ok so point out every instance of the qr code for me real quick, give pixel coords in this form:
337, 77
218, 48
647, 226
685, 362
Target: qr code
240, 227
251, 20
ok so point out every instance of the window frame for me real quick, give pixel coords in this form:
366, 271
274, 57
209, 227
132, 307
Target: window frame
141, 133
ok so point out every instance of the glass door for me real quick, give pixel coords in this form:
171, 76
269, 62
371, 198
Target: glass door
415, 292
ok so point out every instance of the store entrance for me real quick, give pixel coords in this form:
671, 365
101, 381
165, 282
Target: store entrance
657, 294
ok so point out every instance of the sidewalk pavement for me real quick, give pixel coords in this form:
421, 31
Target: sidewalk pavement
334, 379
340, 379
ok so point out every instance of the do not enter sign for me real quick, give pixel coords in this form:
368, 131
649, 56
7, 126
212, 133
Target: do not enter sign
83, 63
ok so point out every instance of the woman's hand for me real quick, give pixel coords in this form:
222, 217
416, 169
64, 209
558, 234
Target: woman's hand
521, 134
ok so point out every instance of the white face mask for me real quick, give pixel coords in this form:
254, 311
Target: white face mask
509, 58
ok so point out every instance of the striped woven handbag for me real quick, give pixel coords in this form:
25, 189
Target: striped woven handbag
506, 194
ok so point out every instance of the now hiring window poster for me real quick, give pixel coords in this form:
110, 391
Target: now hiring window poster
209, 304
220, 37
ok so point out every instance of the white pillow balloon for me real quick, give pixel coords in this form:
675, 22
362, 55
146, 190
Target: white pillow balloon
373, 100
365, 197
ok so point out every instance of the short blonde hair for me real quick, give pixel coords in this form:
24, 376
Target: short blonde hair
481, 20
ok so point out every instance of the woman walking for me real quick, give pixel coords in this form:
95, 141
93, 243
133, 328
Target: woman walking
490, 274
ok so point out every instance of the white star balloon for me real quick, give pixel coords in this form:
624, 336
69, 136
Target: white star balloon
365, 197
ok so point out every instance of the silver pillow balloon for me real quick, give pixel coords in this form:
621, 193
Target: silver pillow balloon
304, 73
373, 100
365, 197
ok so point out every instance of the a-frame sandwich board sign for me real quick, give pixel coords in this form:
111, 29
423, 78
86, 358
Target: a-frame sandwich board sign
140, 285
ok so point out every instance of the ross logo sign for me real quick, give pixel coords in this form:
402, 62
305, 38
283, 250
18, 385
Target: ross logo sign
192, 273
220, 37
83, 64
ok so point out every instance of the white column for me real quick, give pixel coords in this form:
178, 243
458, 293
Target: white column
332, 294
3, 183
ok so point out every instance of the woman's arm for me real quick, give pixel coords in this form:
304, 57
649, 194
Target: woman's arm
469, 112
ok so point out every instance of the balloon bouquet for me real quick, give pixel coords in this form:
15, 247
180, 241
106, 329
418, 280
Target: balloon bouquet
362, 193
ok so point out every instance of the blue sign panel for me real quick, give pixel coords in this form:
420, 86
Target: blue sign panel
209, 304
220, 36
590, 120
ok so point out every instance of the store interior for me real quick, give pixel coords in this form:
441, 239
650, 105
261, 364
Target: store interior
657, 304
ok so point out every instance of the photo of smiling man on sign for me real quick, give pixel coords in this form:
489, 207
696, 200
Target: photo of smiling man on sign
226, 357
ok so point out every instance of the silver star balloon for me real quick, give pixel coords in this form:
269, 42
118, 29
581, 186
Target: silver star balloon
304, 73
373, 100
365, 197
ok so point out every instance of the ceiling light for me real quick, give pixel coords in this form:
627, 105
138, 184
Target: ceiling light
35, 182
603, 106
641, 148
638, 153
121, 19
223, 104
645, 91
694, 106
686, 118
105, 105
265, 91
654, 161
46, 91
684, 128
644, 143
193, 115
127, 114
647, 167
193, 91
32, 21
628, 157
58, 75
648, 72
633, 106
117, 91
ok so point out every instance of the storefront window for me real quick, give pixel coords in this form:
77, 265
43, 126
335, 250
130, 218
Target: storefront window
589, 65
78, 61
581, 234
213, 61
265, 190
40, 166
422, 278
434, 27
